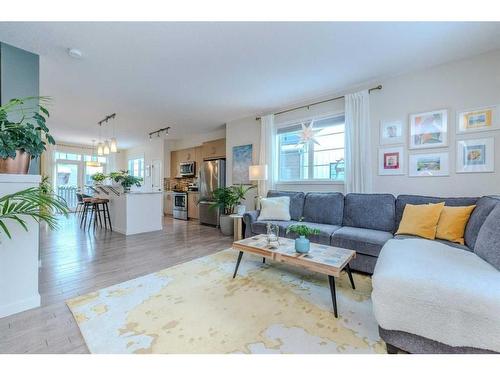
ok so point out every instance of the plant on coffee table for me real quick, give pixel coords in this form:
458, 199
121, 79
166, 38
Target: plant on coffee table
302, 244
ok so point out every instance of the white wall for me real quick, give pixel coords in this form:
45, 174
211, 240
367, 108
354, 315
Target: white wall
455, 86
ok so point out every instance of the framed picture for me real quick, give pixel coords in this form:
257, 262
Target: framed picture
477, 120
242, 159
429, 165
429, 129
391, 132
476, 155
390, 161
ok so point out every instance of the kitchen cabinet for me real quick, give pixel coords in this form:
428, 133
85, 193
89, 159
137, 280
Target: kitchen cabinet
198, 158
168, 204
187, 154
214, 149
174, 164
193, 212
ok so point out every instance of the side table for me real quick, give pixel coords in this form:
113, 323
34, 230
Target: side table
238, 226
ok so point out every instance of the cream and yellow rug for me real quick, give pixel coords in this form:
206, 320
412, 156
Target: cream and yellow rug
197, 307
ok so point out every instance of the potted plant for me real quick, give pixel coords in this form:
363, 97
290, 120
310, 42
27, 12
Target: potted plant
125, 179
225, 200
39, 203
302, 244
24, 138
240, 191
98, 177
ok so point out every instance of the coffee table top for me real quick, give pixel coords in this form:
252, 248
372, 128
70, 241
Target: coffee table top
325, 259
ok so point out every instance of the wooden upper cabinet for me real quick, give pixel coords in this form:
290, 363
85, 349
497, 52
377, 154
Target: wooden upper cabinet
174, 164
187, 154
214, 149
198, 158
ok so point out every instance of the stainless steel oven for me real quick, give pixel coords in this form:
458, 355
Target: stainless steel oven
187, 169
180, 208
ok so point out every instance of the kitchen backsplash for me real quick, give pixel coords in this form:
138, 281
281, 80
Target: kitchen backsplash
170, 184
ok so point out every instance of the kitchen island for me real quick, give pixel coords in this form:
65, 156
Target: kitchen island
135, 212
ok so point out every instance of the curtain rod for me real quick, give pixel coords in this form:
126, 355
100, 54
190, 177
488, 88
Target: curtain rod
379, 87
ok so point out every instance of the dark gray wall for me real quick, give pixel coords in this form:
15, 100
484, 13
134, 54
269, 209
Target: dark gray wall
19, 78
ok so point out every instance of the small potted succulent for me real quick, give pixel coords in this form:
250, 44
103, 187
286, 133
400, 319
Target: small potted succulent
98, 178
126, 180
302, 244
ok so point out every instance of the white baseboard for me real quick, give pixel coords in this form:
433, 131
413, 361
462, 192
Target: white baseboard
18, 306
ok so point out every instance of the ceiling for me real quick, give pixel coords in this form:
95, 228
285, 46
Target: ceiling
197, 76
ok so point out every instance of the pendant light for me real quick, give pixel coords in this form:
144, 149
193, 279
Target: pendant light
91, 162
105, 149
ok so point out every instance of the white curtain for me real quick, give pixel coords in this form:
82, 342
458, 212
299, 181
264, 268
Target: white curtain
267, 152
357, 143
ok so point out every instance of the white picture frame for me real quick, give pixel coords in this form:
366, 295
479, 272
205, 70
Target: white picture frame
475, 155
391, 161
429, 165
392, 132
479, 119
428, 129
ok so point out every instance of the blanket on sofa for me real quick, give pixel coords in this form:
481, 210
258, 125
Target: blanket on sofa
439, 292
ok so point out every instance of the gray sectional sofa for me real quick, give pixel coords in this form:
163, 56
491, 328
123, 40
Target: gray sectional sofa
428, 296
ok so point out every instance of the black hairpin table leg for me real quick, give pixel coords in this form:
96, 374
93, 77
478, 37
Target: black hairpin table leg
331, 281
237, 264
348, 270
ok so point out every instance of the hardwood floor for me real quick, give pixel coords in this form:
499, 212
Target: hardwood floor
74, 262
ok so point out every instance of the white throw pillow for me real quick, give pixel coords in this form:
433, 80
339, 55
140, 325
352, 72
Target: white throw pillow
277, 208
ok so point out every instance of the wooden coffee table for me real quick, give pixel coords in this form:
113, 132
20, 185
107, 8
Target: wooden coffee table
328, 260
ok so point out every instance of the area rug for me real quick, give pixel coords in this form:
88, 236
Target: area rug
197, 307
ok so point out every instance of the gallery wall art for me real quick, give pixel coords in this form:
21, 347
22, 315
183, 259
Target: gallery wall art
392, 132
475, 155
391, 161
478, 120
429, 165
242, 159
429, 129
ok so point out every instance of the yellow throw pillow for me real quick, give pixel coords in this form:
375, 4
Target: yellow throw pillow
452, 222
420, 220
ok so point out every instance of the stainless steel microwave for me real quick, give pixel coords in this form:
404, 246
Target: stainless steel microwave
187, 169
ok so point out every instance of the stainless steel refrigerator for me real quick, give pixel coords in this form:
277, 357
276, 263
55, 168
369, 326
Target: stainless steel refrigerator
212, 176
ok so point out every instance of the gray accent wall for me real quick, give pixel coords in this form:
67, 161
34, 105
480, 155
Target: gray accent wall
19, 78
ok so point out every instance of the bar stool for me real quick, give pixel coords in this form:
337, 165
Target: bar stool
93, 207
101, 205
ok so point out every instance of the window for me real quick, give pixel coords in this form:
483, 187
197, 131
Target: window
310, 161
136, 167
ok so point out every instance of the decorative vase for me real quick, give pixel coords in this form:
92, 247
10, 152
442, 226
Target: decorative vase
126, 189
19, 165
302, 245
226, 225
240, 209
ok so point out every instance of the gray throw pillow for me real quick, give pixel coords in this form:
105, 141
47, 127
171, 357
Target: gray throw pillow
488, 239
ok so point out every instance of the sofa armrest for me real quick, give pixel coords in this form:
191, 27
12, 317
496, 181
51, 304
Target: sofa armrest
250, 217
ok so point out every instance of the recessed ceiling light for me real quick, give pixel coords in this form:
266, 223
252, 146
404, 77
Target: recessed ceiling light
75, 53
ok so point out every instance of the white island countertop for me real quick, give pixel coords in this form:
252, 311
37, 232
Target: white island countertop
136, 211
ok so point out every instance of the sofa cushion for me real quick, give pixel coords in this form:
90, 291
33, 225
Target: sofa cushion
276, 208
421, 220
324, 208
361, 240
433, 290
296, 201
402, 200
370, 211
483, 208
488, 239
326, 231
260, 226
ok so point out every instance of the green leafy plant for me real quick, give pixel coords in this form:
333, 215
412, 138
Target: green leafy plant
240, 191
225, 199
126, 180
28, 132
98, 177
302, 230
38, 203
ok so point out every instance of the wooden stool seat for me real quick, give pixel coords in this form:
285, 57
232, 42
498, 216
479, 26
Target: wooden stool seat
94, 207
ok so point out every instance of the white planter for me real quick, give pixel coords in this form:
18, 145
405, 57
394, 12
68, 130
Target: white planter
226, 225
